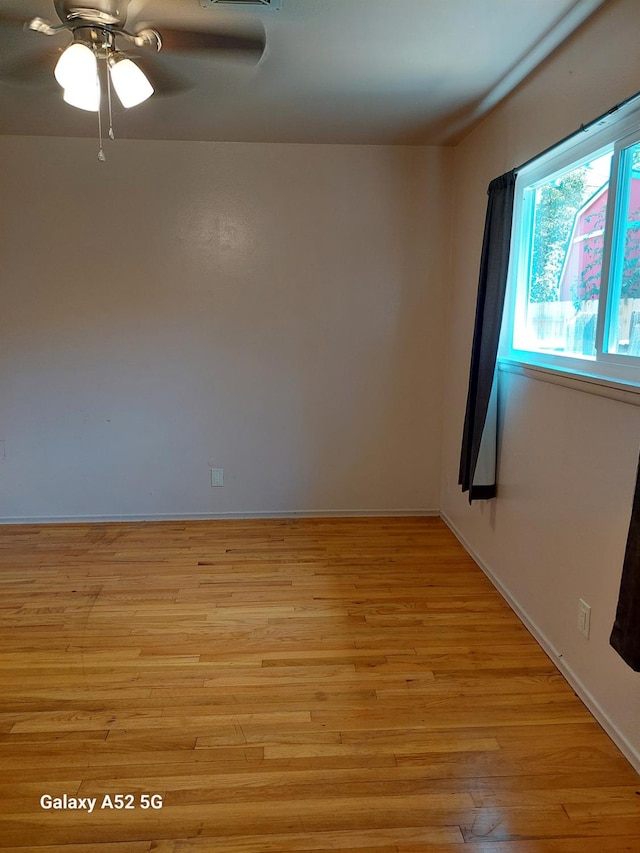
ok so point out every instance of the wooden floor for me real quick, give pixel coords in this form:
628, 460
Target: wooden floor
308, 685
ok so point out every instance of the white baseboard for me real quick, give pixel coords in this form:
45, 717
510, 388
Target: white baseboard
203, 516
623, 744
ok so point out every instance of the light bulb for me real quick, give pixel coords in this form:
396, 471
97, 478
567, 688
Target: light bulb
130, 83
77, 66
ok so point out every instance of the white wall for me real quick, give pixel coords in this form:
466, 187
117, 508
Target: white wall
568, 460
274, 310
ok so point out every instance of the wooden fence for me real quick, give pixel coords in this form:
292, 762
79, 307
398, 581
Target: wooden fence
559, 327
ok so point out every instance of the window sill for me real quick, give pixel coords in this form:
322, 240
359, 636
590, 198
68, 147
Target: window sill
623, 392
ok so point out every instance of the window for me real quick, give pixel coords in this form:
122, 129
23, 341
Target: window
574, 282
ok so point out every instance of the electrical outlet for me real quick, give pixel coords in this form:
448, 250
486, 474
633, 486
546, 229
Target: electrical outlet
584, 618
217, 477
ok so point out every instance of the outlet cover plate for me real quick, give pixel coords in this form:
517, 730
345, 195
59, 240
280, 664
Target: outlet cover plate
584, 618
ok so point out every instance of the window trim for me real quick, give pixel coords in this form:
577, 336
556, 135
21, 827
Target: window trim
623, 392
618, 130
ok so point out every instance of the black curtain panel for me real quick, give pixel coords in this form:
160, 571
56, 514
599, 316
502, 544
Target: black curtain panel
477, 457
625, 637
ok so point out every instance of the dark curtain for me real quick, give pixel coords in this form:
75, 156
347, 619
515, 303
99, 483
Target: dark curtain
625, 637
477, 457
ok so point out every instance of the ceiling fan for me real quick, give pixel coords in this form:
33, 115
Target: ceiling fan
100, 29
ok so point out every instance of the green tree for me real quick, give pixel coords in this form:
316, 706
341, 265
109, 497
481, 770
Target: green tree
630, 286
556, 207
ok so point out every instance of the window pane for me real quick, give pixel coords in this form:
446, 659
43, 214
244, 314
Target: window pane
624, 333
558, 313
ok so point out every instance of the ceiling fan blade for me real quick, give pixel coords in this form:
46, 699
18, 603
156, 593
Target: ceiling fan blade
12, 21
165, 81
30, 70
248, 45
26, 58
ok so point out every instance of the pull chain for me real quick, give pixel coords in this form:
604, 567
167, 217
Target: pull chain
111, 134
101, 155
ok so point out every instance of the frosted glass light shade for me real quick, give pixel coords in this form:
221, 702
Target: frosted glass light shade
85, 96
77, 66
130, 83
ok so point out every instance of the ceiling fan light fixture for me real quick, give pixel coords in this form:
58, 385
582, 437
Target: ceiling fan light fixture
77, 65
97, 29
130, 82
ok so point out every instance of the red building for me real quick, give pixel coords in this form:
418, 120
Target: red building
580, 278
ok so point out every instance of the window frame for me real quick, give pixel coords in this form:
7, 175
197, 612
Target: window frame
614, 132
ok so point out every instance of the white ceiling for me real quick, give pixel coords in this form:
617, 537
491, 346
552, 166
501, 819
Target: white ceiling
335, 71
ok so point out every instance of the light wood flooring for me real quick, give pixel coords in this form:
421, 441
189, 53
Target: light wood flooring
309, 685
